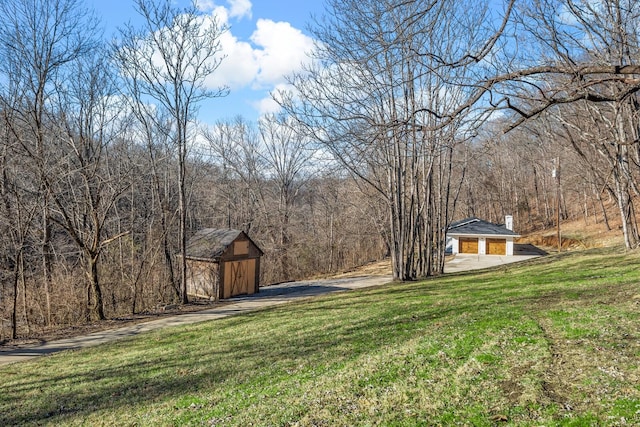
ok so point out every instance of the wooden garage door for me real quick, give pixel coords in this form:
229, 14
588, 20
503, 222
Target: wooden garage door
496, 247
468, 245
239, 278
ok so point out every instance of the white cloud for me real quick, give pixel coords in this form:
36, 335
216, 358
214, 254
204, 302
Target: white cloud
240, 65
277, 49
205, 5
239, 8
261, 61
221, 13
267, 104
282, 50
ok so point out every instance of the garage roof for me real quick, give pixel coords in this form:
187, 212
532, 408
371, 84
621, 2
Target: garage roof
478, 227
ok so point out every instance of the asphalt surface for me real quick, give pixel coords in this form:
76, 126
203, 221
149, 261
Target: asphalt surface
467, 262
268, 296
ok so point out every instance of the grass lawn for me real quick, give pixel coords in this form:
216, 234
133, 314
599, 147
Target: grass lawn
555, 341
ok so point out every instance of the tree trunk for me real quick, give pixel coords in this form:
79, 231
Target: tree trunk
46, 261
97, 308
183, 211
16, 282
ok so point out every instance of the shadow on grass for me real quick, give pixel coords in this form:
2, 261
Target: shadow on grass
317, 334
58, 397
121, 386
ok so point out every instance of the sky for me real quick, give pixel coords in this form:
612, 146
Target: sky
266, 40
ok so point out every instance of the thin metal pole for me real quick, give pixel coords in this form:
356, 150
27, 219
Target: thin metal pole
558, 202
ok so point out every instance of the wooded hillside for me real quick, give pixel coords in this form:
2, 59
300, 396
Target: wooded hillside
406, 120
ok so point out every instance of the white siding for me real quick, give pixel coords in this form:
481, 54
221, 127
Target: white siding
510, 246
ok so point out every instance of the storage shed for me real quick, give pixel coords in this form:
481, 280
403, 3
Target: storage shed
476, 236
222, 263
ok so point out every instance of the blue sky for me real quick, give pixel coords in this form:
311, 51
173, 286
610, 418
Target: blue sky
266, 41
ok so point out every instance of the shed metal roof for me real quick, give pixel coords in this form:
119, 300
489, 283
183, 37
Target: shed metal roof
476, 226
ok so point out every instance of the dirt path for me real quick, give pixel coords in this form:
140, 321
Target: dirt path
268, 296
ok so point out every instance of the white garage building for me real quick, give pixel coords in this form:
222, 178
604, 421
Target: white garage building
476, 236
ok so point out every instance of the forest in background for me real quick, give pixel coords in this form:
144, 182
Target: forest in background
394, 131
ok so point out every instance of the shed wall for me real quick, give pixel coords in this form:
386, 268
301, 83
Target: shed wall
236, 271
203, 279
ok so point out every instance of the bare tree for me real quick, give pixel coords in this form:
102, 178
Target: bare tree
273, 164
83, 191
153, 126
235, 147
168, 60
38, 40
588, 54
288, 157
391, 93
17, 213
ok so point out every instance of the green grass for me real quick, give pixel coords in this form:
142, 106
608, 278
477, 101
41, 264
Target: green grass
553, 342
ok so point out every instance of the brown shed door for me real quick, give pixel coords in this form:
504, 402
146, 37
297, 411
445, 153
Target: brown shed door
239, 277
468, 245
496, 247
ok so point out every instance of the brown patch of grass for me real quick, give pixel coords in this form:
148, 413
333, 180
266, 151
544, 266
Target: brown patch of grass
579, 234
376, 268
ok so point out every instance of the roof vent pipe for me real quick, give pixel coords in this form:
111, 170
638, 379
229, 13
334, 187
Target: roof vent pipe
508, 222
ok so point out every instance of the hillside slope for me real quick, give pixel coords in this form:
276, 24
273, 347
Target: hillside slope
553, 341
577, 235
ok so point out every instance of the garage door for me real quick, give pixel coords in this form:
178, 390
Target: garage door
496, 247
468, 246
239, 278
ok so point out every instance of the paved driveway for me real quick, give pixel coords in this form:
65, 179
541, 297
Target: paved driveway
466, 262
268, 296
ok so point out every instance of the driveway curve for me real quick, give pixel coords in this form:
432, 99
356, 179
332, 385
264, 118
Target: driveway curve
268, 296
